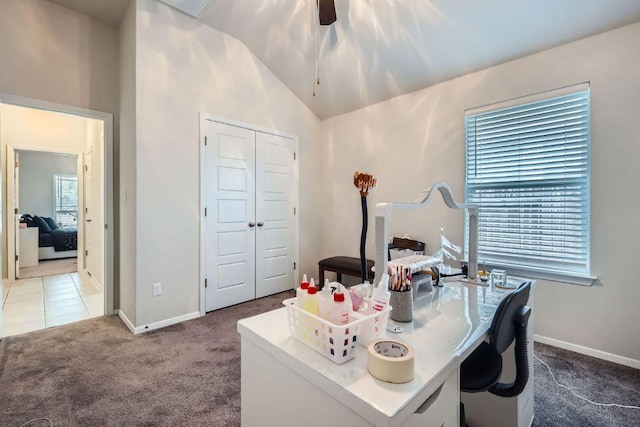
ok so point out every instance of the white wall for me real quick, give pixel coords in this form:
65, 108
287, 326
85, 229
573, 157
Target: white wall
414, 140
37, 169
127, 161
27, 128
53, 54
184, 68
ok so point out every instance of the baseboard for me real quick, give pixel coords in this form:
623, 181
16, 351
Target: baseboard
621, 360
126, 321
95, 282
158, 325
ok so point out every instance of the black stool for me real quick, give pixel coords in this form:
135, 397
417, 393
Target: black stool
343, 265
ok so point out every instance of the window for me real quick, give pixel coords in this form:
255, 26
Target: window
65, 189
527, 168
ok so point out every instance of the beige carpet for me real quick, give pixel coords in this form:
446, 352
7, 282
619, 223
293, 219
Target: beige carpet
50, 267
96, 373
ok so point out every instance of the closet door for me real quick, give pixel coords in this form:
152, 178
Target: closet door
276, 186
230, 231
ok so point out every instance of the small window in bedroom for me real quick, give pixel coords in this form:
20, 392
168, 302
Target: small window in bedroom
66, 200
527, 168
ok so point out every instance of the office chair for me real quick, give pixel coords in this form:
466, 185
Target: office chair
482, 369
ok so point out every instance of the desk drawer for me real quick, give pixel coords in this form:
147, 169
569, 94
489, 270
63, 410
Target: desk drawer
441, 408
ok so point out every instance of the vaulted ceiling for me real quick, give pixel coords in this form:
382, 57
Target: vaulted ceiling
379, 49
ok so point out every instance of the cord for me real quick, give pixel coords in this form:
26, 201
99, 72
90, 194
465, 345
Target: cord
37, 419
581, 397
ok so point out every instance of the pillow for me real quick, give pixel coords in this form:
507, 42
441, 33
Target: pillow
42, 224
50, 222
28, 219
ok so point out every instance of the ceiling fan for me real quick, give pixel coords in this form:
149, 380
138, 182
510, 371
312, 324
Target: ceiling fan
326, 11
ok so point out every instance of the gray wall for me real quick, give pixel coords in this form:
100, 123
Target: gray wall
36, 179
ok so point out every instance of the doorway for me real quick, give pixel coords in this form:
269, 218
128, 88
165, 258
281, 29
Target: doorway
47, 198
78, 204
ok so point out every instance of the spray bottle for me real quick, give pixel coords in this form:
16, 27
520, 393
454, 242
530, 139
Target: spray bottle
357, 293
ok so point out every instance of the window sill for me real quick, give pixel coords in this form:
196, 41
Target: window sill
553, 276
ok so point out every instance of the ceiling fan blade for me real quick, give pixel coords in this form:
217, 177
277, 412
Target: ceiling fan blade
327, 11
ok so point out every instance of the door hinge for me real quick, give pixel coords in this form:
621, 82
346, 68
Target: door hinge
205, 211
86, 210
15, 210
16, 257
205, 140
86, 253
294, 210
294, 265
16, 164
106, 226
205, 283
86, 167
294, 155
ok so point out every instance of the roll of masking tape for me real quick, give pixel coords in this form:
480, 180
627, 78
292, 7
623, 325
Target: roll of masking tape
391, 361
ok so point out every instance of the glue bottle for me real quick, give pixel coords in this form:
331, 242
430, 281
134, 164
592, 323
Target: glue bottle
379, 302
339, 311
310, 300
380, 295
325, 300
302, 290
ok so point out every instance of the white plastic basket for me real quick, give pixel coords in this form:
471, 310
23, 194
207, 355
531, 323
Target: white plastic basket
336, 342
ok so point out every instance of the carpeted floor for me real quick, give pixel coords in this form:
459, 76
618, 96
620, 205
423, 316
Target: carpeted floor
96, 373
598, 380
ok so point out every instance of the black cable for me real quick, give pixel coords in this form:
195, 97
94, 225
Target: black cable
522, 368
363, 239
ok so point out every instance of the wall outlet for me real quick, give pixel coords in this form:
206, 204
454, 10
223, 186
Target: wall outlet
157, 289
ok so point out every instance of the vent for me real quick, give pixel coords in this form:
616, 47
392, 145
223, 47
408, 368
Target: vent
190, 7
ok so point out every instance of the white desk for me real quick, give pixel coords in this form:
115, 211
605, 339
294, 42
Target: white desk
286, 383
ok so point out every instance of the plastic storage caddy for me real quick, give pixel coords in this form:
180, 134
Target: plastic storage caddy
336, 342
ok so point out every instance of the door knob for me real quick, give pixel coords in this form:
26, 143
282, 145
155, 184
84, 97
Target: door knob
260, 224
88, 220
252, 224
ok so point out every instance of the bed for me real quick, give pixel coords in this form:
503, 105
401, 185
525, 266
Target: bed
54, 242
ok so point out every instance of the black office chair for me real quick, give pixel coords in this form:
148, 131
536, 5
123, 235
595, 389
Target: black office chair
482, 369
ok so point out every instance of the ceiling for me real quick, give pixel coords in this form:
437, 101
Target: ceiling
379, 49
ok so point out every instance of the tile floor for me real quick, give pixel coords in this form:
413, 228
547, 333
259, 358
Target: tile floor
43, 302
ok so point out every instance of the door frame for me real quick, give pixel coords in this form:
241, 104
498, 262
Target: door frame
204, 117
12, 230
107, 165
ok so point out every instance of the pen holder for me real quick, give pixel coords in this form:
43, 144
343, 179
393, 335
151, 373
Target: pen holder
402, 303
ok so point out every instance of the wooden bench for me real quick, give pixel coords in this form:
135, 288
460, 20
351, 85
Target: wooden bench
343, 265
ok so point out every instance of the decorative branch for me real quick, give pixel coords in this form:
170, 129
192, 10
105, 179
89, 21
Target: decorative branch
364, 183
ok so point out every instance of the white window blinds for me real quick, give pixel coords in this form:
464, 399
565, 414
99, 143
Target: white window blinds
527, 168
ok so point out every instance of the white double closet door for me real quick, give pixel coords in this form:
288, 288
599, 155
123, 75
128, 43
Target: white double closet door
250, 191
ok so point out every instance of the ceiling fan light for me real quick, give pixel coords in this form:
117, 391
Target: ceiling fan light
190, 7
